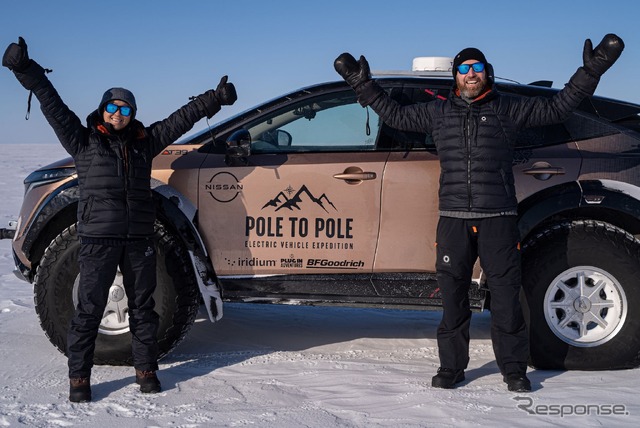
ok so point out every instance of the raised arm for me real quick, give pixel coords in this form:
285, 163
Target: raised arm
31, 75
357, 74
542, 111
182, 120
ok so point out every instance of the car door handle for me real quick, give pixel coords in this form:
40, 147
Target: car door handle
550, 170
543, 170
365, 175
355, 175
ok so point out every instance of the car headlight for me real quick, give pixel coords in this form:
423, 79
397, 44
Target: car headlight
46, 176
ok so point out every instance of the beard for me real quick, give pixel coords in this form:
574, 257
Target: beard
472, 91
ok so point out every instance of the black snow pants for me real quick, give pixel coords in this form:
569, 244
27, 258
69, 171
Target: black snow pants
496, 241
98, 266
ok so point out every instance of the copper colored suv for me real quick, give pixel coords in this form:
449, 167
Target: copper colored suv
311, 199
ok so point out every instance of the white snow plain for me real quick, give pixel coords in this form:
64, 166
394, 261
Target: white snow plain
284, 366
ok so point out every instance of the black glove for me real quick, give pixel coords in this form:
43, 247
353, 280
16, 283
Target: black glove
211, 103
28, 72
355, 73
16, 57
226, 92
598, 60
358, 76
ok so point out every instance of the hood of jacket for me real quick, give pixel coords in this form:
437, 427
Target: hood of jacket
134, 131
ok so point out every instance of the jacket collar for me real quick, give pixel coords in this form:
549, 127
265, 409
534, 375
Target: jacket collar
135, 128
486, 96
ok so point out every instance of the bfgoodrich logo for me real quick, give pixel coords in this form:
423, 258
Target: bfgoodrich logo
329, 264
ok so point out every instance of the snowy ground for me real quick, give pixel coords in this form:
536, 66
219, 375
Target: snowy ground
284, 366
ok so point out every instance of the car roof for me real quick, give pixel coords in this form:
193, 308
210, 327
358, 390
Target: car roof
613, 110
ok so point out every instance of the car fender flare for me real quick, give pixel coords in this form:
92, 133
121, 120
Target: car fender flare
48, 210
181, 213
614, 196
171, 205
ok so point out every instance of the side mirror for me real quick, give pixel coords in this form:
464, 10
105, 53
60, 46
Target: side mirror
239, 144
284, 138
277, 138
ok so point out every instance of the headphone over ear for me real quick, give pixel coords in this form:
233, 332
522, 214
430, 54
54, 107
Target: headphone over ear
489, 70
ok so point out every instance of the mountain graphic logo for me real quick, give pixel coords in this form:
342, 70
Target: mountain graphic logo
282, 201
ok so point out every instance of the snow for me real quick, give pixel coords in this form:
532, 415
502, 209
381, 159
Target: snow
284, 366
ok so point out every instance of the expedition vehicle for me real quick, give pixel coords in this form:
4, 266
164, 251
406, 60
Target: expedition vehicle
310, 199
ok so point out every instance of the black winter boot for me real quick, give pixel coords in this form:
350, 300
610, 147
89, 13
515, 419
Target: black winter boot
517, 382
79, 390
447, 378
148, 381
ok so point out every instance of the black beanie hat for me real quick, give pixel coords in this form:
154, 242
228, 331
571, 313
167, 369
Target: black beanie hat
118, 94
467, 54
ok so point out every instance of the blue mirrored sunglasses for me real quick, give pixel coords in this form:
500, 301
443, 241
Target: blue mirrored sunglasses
478, 67
124, 110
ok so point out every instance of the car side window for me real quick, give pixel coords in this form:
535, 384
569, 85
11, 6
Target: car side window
578, 126
394, 139
327, 123
542, 136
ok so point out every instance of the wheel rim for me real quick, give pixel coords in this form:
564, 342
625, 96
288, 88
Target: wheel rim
115, 319
585, 306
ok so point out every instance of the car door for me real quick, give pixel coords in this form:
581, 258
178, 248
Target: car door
307, 198
409, 216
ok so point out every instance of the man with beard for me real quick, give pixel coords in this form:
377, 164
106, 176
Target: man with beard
474, 131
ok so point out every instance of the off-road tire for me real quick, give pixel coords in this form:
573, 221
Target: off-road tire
176, 296
607, 261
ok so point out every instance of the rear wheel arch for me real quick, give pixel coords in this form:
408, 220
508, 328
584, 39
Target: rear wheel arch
608, 202
547, 204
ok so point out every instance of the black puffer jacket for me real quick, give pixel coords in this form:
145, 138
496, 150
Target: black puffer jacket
114, 169
475, 141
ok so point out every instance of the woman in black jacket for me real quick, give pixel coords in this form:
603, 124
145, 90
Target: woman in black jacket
113, 155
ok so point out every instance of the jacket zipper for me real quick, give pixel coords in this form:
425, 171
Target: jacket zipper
125, 161
468, 138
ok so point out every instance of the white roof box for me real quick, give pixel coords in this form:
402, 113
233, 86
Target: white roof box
432, 63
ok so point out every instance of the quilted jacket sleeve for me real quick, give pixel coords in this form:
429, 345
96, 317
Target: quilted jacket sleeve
539, 111
167, 131
66, 125
414, 117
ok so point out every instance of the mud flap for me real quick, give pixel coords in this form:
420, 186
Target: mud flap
209, 288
